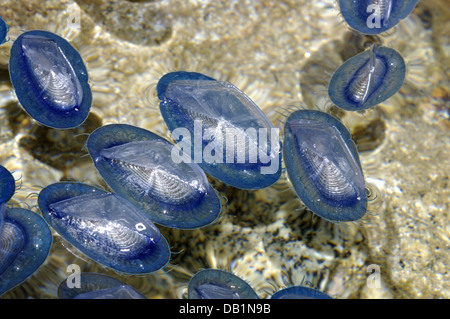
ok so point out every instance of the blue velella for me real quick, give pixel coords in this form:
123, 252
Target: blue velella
375, 16
3, 30
300, 292
2, 215
96, 286
323, 165
7, 189
25, 242
7, 185
219, 284
50, 79
105, 227
221, 129
367, 79
141, 167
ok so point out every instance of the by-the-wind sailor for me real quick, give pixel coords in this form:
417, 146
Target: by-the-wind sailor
7, 185
375, 16
50, 79
25, 242
3, 30
367, 79
300, 292
96, 286
221, 129
218, 284
323, 165
105, 227
141, 167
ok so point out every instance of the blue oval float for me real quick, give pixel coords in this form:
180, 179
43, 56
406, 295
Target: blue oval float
105, 227
375, 16
7, 185
50, 79
221, 129
3, 30
219, 284
323, 165
141, 167
300, 292
97, 286
367, 79
25, 242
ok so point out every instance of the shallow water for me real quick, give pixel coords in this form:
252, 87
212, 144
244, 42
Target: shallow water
282, 55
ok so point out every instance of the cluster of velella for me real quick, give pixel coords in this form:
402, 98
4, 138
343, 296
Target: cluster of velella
217, 130
376, 74
321, 158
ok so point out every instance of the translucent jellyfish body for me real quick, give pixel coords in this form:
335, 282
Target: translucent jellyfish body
367, 79
25, 242
145, 169
221, 129
323, 165
50, 79
96, 286
104, 227
219, 284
